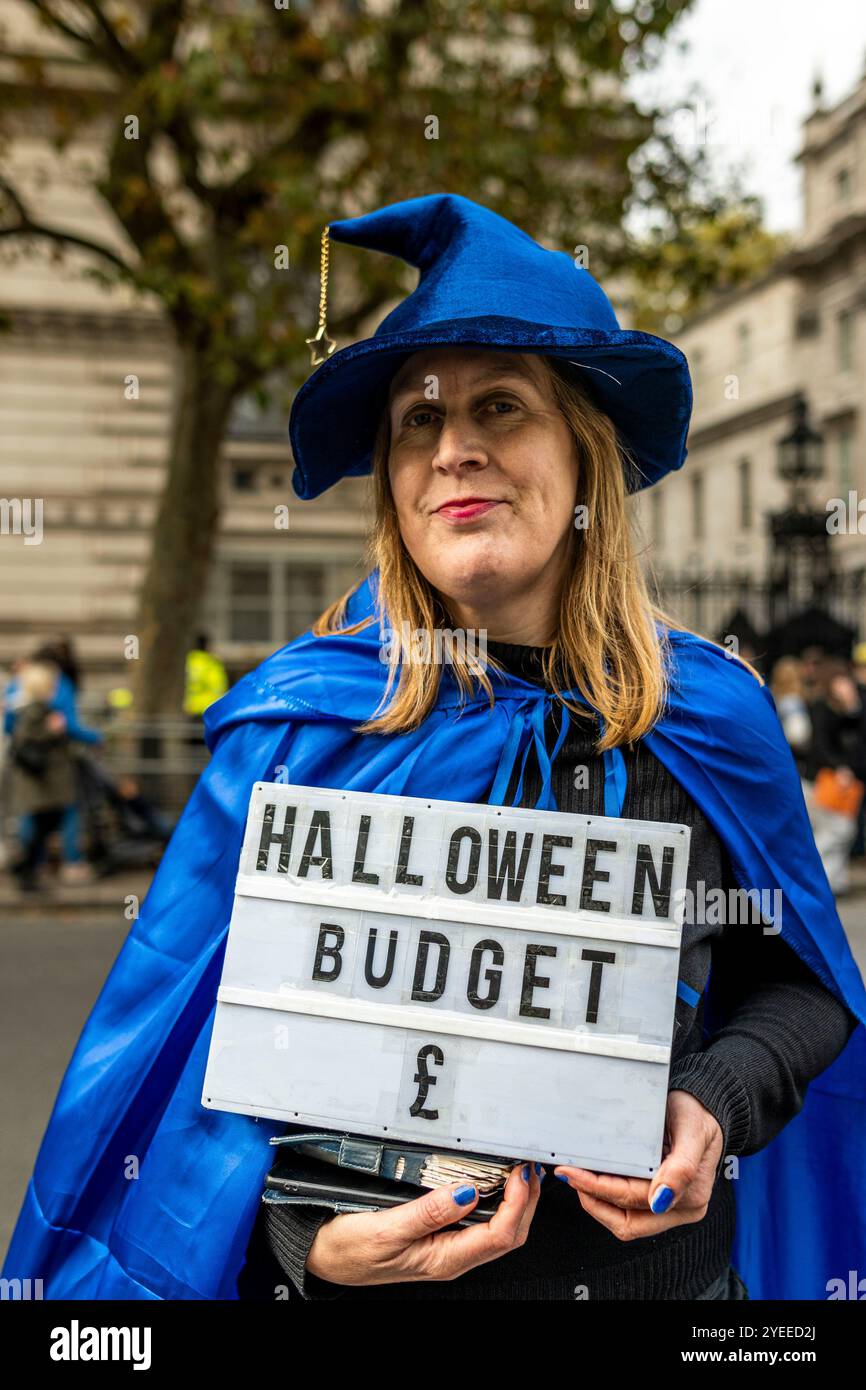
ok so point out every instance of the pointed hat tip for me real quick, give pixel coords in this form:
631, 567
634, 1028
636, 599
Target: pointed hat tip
419, 229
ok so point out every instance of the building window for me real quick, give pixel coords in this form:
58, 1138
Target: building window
843, 184
250, 595
269, 601
845, 446
744, 343
251, 477
807, 323
845, 339
243, 479
303, 596
698, 506
744, 469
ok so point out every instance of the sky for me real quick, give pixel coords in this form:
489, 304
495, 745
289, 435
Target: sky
753, 62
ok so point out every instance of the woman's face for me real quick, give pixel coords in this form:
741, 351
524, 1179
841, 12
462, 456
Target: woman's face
483, 471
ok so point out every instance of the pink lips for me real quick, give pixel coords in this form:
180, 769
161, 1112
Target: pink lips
466, 510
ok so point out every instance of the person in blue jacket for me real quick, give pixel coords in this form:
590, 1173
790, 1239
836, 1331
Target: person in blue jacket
61, 655
504, 416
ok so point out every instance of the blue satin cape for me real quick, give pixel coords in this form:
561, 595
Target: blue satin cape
138, 1192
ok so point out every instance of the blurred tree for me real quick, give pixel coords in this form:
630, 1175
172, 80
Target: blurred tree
671, 278
231, 129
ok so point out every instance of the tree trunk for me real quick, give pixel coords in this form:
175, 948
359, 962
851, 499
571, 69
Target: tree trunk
183, 536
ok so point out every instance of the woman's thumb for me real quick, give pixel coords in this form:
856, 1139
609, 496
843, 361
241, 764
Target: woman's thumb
440, 1207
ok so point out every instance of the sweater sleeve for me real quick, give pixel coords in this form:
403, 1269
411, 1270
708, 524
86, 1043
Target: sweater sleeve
291, 1230
783, 1029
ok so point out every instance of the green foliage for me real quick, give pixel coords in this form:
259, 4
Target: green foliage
714, 252
224, 130
257, 125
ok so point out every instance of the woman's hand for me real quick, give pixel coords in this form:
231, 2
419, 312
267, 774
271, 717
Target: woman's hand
692, 1150
408, 1242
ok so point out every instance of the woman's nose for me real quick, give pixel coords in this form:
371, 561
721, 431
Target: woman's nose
458, 443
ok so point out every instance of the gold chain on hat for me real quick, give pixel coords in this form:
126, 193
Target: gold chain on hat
321, 336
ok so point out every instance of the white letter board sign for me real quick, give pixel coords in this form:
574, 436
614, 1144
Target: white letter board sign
495, 979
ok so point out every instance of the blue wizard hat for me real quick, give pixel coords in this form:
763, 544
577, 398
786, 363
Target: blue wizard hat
484, 283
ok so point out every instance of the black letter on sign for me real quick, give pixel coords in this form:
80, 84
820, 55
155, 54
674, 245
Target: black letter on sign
320, 824
465, 832
497, 869
403, 874
532, 981
493, 977
359, 874
424, 1080
425, 941
593, 875
331, 951
546, 869
599, 960
645, 869
379, 981
283, 838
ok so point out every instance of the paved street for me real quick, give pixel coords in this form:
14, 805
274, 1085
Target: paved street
51, 970
853, 913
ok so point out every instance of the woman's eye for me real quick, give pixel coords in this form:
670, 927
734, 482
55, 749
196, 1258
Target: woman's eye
421, 419
424, 416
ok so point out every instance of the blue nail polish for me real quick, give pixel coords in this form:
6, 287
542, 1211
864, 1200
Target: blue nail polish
662, 1200
524, 1172
464, 1195
562, 1177
539, 1168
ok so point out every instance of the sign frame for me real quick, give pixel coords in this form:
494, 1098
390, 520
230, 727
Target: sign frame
629, 1117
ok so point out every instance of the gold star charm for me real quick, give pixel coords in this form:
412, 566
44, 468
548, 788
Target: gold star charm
321, 336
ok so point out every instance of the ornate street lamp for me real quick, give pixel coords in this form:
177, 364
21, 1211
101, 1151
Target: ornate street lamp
801, 571
801, 451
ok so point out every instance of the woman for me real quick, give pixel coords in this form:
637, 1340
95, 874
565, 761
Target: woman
505, 416
42, 783
519, 434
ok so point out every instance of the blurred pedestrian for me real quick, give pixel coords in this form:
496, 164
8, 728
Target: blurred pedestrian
858, 659
59, 654
75, 868
793, 711
42, 783
836, 764
206, 681
811, 669
206, 678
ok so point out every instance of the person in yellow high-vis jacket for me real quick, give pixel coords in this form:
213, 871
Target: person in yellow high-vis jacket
206, 678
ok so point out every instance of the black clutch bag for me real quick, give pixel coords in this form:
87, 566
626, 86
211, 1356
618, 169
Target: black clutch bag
351, 1173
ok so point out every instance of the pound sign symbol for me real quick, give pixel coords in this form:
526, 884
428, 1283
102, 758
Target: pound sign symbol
424, 1080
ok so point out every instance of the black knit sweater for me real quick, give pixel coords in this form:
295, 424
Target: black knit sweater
784, 1028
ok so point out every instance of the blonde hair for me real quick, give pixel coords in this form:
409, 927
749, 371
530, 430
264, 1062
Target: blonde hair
787, 677
606, 645
37, 681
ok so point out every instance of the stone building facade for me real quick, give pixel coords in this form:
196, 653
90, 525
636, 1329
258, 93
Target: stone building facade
799, 329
